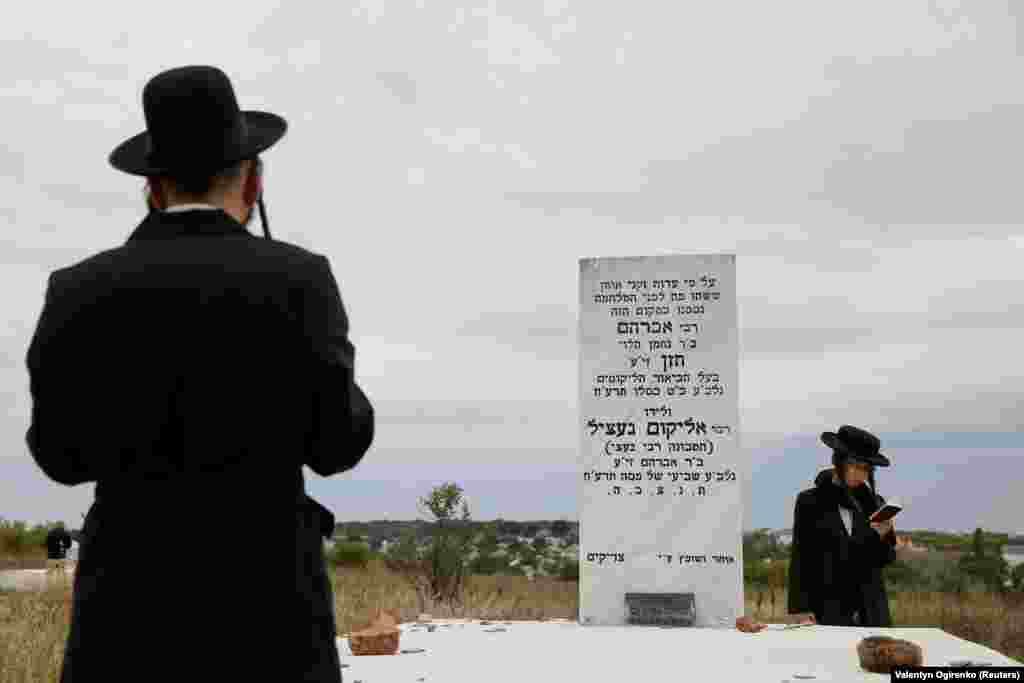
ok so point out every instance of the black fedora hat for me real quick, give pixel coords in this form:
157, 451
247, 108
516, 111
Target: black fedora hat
193, 124
856, 444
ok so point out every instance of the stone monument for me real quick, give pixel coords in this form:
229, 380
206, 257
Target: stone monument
661, 510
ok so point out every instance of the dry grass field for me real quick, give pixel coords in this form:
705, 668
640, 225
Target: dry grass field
34, 625
992, 620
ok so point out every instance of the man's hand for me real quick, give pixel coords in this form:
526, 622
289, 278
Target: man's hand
802, 618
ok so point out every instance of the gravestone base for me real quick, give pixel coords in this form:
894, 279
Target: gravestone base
661, 609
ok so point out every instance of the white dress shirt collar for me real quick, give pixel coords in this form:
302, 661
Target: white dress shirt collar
177, 208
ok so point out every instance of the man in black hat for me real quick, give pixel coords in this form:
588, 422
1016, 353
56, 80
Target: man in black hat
191, 373
58, 542
837, 556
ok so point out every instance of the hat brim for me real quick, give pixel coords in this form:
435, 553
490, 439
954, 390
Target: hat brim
831, 439
264, 129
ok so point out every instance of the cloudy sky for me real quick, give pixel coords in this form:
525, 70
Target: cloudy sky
861, 160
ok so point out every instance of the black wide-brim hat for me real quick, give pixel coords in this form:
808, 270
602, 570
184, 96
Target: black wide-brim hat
854, 443
194, 125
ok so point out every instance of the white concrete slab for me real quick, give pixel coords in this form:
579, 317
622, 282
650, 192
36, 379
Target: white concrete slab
28, 579
458, 651
464, 652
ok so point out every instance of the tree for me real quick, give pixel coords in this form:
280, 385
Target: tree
561, 528
979, 543
450, 544
1017, 577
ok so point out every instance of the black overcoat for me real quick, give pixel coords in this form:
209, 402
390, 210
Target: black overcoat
191, 373
833, 572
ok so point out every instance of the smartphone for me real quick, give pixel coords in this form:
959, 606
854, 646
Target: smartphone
886, 512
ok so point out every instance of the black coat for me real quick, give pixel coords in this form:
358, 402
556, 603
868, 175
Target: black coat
833, 572
191, 373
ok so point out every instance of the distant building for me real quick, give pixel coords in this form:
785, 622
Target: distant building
1013, 554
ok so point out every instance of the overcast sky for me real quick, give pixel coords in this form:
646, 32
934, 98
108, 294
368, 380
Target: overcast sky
862, 160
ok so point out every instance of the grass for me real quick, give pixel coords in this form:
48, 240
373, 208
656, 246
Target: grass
33, 630
34, 625
992, 620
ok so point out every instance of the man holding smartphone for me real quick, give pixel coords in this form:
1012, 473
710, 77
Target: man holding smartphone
838, 553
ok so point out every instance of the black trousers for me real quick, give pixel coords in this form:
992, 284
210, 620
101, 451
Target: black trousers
845, 611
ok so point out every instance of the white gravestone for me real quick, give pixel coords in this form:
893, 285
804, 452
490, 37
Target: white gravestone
661, 508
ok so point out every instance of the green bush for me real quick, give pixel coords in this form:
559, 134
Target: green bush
349, 554
569, 570
488, 565
528, 557
513, 571
18, 540
755, 573
902, 575
406, 549
1017, 577
991, 571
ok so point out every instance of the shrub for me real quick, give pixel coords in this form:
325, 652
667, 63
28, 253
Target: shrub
569, 570
1017, 577
348, 554
902, 574
488, 565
